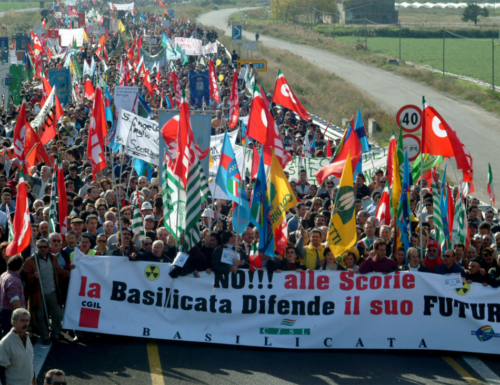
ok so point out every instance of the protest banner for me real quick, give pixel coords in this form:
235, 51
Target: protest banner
372, 161
210, 48
69, 35
158, 60
294, 310
190, 47
121, 7
61, 79
140, 137
125, 97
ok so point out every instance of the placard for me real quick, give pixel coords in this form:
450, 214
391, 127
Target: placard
190, 47
180, 259
228, 256
126, 98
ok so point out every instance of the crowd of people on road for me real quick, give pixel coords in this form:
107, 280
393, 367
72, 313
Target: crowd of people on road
101, 208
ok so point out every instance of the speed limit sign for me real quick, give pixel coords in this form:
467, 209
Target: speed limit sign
409, 118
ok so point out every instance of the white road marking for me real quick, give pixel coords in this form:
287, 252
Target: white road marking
41, 352
482, 369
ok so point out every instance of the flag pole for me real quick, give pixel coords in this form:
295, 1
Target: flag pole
244, 191
421, 183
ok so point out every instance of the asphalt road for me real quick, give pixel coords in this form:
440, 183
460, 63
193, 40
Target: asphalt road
478, 129
121, 360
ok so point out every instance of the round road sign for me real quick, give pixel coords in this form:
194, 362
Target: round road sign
409, 118
411, 143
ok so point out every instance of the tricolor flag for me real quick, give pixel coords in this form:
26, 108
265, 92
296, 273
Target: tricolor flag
491, 188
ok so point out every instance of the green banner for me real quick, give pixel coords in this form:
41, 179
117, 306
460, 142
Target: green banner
17, 81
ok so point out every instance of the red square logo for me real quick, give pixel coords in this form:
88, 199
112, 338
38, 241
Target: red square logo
89, 318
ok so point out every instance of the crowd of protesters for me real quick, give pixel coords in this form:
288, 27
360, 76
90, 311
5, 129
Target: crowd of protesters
100, 209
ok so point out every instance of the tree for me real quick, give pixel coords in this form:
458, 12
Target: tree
472, 13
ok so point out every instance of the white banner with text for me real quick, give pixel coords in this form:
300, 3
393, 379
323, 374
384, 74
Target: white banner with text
306, 310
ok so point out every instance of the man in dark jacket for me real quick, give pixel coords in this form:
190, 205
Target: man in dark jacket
218, 265
476, 274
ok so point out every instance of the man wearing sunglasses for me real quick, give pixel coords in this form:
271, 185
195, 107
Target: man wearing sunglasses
42, 276
55, 377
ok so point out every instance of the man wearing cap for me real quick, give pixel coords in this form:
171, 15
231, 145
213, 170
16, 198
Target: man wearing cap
476, 274
149, 223
77, 226
487, 259
449, 266
147, 209
379, 262
432, 258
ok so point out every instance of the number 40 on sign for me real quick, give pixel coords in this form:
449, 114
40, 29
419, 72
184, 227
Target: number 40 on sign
409, 118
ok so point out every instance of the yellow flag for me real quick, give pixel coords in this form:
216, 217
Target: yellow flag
121, 27
281, 196
342, 228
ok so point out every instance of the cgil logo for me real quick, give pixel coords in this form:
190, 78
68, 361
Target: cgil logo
485, 333
90, 310
286, 331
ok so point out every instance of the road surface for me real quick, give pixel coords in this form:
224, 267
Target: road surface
478, 129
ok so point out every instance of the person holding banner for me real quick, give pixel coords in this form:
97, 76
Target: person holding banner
225, 258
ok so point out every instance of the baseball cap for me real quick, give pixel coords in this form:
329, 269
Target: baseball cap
146, 206
149, 217
432, 244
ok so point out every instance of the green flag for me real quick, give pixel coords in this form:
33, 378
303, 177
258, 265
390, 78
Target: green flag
430, 161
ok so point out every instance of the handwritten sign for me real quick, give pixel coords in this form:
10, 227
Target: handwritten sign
140, 136
190, 47
126, 98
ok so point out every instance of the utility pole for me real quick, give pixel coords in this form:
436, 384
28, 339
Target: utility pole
443, 48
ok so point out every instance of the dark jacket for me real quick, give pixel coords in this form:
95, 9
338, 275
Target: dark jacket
478, 277
217, 265
494, 276
148, 256
422, 268
283, 265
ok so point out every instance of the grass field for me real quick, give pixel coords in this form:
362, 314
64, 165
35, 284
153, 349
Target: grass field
468, 57
4, 6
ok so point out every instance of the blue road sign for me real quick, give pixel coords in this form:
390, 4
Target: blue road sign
171, 13
237, 33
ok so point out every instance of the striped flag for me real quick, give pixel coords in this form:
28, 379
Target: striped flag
438, 221
174, 200
490, 187
11, 226
197, 193
460, 230
53, 198
137, 219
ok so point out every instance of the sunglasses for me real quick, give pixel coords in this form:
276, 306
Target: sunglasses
43, 247
102, 241
147, 244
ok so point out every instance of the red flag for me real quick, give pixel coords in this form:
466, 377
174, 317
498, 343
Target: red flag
50, 129
329, 152
438, 138
281, 238
34, 150
255, 162
63, 200
177, 89
89, 90
22, 224
37, 44
258, 120
274, 142
20, 133
186, 152
44, 21
97, 133
147, 84
284, 96
234, 103
351, 146
214, 87
161, 3
383, 213
390, 159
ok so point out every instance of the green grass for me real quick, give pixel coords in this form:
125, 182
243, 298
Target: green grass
468, 57
18, 5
